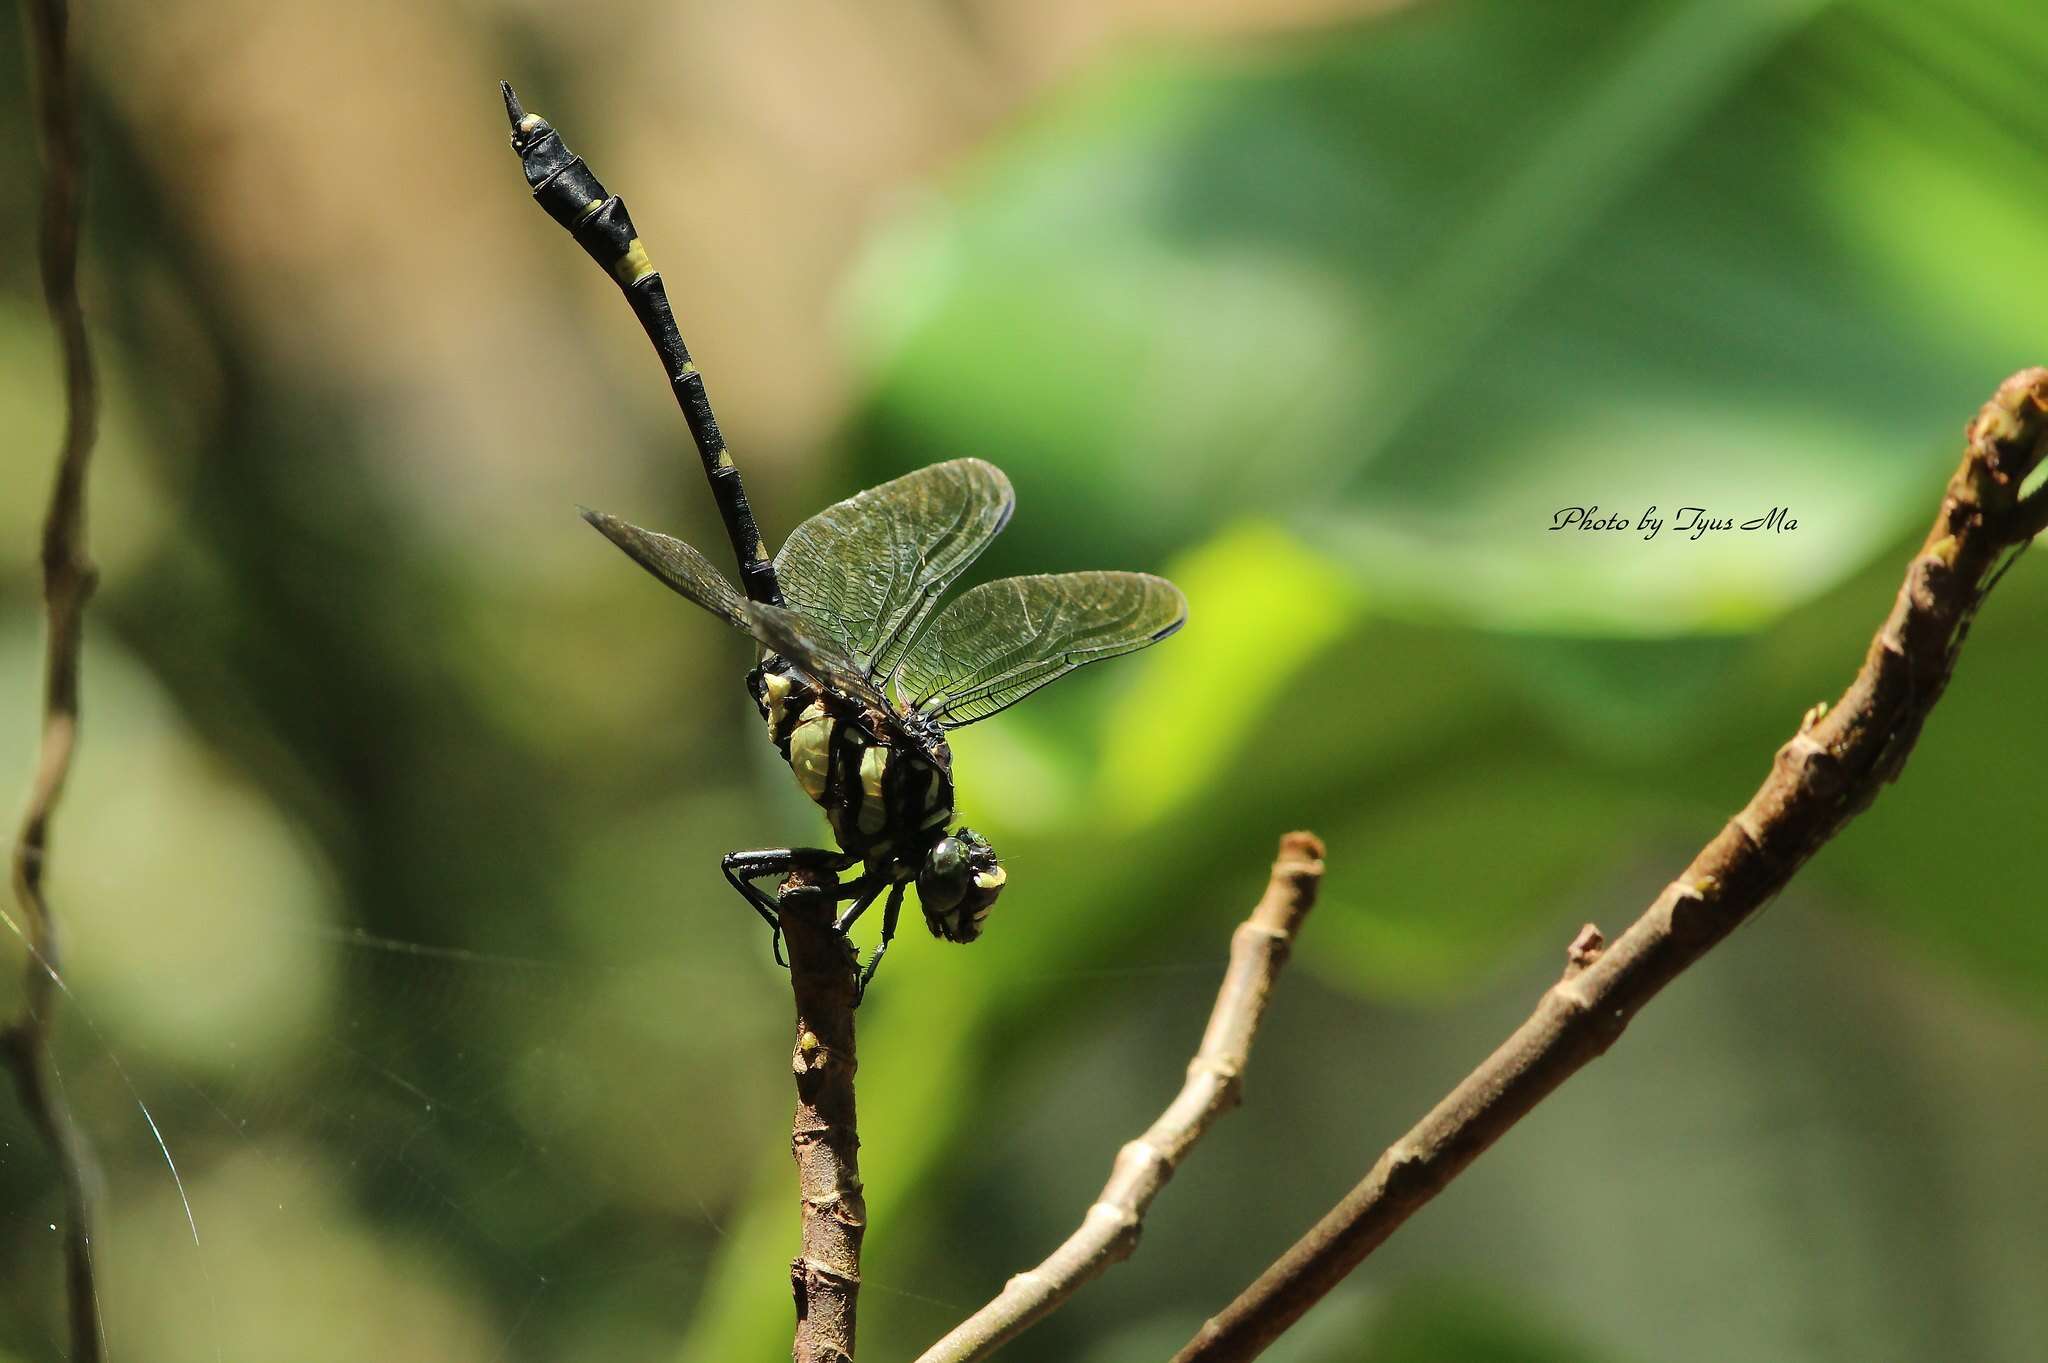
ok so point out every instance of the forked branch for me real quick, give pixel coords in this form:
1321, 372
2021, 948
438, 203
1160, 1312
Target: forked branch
1829, 771
67, 582
1109, 1232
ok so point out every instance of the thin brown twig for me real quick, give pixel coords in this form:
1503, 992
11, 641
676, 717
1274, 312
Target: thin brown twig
67, 582
1109, 1231
825, 1135
1832, 768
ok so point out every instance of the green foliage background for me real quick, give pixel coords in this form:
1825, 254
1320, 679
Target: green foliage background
389, 868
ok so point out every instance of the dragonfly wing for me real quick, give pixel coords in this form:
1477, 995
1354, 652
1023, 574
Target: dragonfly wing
1003, 640
791, 635
678, 567
869, 569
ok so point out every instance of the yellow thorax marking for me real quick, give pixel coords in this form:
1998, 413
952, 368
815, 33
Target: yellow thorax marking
775, 693
873, 763
936, 811
873, 813
810, 750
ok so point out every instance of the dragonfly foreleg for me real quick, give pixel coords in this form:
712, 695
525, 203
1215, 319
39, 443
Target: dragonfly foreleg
743, 868
889, 916
862, 892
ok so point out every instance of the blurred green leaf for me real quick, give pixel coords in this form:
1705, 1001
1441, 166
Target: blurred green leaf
1267, 608
1462, 869
1429, 1322
1645, 255
169, 861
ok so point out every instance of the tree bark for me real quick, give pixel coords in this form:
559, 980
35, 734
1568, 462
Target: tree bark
824, 1136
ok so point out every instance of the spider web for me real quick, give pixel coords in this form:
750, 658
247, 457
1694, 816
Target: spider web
405, 1187
374, 1197
320, 1140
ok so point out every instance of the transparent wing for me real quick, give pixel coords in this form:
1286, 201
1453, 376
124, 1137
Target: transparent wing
787, 633
869, 569
1003, 640
678, 566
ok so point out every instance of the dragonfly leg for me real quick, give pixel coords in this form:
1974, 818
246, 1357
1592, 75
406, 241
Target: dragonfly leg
862, 892
889, 916
743, 868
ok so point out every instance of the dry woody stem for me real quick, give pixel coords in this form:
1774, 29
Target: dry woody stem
1109, 1232
824, 1136
1830, 770
67, 582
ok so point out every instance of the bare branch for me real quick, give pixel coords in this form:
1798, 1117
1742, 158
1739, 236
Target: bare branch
1109, 1232
67, 583
1830, 770
825, 1135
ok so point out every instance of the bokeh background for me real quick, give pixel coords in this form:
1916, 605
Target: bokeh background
412, 1019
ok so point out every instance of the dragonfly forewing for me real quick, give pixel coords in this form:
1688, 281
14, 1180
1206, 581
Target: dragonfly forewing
814, 652
868, 570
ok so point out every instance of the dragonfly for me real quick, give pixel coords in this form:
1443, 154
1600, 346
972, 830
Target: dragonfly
862, 666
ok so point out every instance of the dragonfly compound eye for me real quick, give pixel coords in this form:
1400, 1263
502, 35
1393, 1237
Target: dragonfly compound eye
942, 884
980, 881
959, 882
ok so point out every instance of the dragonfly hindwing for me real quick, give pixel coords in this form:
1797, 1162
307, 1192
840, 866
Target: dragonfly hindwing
678, 566
1003, 640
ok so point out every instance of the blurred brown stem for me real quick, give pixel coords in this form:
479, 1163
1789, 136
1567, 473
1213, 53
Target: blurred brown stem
825, 1135
1109, 1231
1830, 770
67, 583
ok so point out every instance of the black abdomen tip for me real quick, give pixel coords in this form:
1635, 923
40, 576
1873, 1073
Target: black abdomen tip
527, 129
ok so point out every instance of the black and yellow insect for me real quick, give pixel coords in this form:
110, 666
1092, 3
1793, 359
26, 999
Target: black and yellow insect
859, 679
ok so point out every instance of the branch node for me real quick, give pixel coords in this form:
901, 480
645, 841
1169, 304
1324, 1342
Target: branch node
1141, 1151
1226, 1070
1745, 824
818, 1269
1584, 950
1123, 1218
1406, 1166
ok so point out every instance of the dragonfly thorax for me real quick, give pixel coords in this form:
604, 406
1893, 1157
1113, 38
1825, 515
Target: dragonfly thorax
886, 790
886, 787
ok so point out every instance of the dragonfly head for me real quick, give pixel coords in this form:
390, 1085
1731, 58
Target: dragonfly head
960, 881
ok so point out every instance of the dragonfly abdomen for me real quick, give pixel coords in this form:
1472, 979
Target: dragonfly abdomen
574, 197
